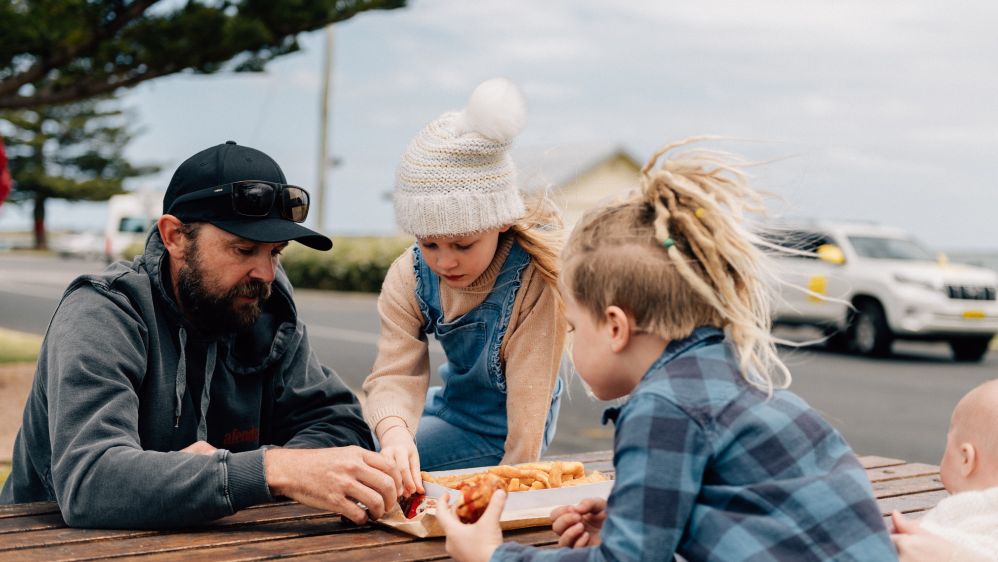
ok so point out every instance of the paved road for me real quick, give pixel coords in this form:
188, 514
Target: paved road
893, 407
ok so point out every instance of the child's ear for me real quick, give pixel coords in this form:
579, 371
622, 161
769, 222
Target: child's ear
618, 326
968, 459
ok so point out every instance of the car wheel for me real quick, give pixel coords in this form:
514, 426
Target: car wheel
836, 339
869, 333
970, 349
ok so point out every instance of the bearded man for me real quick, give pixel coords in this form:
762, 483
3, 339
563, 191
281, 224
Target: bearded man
182, 387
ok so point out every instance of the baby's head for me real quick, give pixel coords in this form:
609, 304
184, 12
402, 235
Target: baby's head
677, 256
970, 461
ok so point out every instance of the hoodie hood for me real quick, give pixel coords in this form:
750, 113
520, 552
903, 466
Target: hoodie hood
243, 352
247, 351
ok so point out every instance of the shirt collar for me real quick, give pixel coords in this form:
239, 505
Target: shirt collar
700, 337
704, 335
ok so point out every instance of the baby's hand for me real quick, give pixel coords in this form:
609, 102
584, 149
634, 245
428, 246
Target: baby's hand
904, 525
915, 544
475, 542
579, 525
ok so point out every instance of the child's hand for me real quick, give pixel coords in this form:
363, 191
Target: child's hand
475, 542
398, 446
579, 525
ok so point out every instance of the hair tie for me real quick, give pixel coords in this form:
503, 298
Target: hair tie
668, 243
699, 213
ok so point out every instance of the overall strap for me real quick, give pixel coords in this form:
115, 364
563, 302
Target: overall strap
427, 290
503, 295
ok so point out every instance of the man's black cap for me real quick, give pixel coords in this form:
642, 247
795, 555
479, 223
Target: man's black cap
227, 163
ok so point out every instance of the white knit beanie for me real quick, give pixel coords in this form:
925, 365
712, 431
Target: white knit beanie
456, 176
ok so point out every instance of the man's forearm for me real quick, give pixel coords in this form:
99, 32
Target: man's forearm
129, 488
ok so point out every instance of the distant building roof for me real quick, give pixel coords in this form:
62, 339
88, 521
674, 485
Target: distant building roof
555, 167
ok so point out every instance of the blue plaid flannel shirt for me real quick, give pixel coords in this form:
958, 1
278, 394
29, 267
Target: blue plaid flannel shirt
709, 468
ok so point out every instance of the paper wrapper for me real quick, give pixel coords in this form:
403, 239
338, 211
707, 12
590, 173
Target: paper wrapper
523, 509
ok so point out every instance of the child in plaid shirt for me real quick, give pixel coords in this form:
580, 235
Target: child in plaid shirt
667, 297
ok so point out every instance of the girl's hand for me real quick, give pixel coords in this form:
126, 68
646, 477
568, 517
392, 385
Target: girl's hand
475, 542
398, 446
579, 525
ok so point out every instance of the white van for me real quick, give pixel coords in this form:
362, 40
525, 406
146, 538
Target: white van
129, 218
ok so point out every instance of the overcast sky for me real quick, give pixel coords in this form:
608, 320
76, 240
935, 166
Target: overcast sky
882, 111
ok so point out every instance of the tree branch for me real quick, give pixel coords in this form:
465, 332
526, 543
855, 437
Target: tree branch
82, 90
133, 47
42, 66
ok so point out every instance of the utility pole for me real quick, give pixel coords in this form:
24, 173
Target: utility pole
323, 160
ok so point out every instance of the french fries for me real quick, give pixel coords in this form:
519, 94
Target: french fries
524, 477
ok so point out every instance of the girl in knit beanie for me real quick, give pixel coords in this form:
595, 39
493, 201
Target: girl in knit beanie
482, 278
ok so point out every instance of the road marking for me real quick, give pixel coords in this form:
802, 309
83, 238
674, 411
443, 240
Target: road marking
34, 277
356, 336
30, 291
341, 334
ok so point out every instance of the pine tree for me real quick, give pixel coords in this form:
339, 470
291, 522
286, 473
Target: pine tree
59, 51
72, 152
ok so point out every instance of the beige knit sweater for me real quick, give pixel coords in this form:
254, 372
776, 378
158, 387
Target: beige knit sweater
531, 352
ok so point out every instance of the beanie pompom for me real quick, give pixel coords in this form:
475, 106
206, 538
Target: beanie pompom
456, 176
496, 110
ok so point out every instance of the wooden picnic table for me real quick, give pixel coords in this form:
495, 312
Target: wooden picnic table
36, 531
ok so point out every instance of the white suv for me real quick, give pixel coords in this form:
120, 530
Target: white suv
883, 285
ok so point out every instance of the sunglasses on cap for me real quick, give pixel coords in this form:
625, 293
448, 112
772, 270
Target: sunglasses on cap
256, 198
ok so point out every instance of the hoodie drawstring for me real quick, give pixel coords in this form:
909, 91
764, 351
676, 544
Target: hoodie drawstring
181, 383
209, 369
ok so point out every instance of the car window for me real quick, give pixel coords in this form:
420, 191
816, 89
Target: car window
880, 248
133, 224
800, 240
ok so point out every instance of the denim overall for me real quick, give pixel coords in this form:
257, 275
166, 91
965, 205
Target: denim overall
464, 421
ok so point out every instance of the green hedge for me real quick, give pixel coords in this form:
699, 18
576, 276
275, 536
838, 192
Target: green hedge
18, 347
354, 264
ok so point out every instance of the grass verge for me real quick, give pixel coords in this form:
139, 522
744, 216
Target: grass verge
18, 347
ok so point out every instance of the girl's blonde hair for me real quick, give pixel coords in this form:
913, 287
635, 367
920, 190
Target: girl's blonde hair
541, 234
679, 255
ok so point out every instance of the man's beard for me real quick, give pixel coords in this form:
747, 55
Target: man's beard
213, 313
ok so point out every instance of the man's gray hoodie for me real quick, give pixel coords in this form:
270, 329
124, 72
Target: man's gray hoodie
119, 390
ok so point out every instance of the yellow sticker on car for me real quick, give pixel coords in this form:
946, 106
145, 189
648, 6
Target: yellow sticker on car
817, 284
974, 314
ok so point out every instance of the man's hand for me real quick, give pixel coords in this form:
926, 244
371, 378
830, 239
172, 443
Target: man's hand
199, 448
475, 542
334, 479
398, 446
579, 525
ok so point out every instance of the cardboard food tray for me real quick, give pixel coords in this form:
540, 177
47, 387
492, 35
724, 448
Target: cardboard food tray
523, 509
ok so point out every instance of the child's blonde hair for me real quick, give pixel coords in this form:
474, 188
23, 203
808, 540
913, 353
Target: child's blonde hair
541, 234
677, 256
